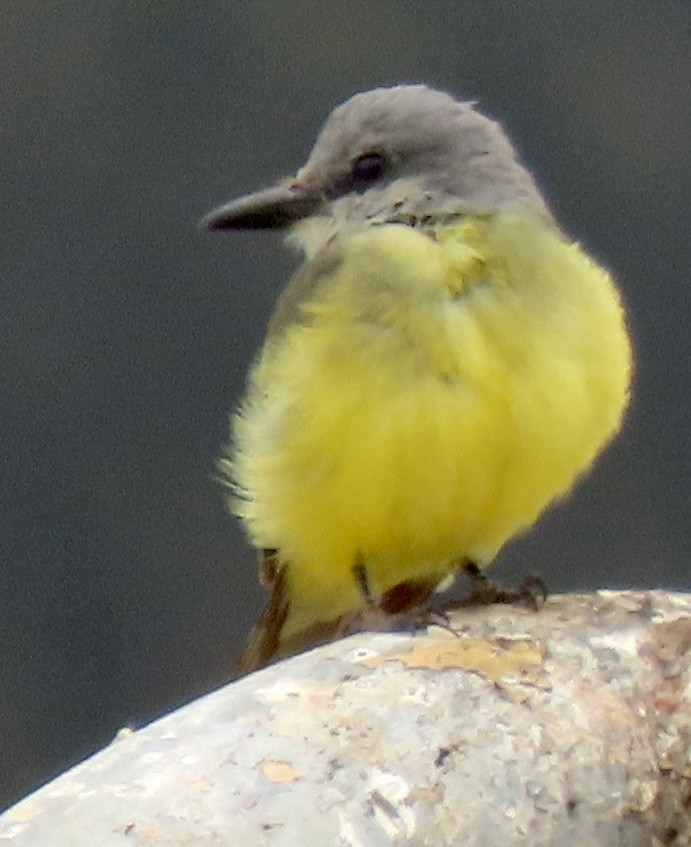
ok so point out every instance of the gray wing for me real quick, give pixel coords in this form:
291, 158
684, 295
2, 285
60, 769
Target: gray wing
303, 283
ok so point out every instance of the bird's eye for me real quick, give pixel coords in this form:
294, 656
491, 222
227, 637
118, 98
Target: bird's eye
367, 167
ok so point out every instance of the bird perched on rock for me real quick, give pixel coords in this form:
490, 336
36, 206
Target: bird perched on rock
445, 363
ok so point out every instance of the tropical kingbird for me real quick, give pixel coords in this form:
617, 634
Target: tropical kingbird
444, 365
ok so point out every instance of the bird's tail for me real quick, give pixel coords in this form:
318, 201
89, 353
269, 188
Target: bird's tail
266, 643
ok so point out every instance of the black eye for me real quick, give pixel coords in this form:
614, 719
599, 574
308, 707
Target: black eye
367, 167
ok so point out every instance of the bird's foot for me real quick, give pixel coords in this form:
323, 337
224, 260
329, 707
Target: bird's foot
376, 619
403, 608
531, 593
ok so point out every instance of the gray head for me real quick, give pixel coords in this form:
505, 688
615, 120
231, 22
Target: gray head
407, 154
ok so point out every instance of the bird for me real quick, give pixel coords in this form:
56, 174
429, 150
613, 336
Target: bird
445, 364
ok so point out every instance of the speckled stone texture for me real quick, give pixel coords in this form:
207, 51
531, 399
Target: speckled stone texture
569, 726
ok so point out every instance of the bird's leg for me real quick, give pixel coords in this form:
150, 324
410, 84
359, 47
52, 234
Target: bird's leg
368, 616
362, 580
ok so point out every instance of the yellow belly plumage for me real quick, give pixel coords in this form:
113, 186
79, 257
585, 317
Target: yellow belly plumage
435, 392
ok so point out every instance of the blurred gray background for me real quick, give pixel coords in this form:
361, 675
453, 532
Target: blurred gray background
125, 588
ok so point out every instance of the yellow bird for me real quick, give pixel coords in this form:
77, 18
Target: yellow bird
444, 365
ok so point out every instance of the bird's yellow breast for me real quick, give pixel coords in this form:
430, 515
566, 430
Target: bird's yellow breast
438, 390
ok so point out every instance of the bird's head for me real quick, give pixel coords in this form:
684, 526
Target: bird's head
407, 154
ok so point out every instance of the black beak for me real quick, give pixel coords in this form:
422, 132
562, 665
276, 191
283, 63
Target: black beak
272, 208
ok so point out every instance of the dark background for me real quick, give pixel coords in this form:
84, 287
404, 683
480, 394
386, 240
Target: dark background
125, 588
